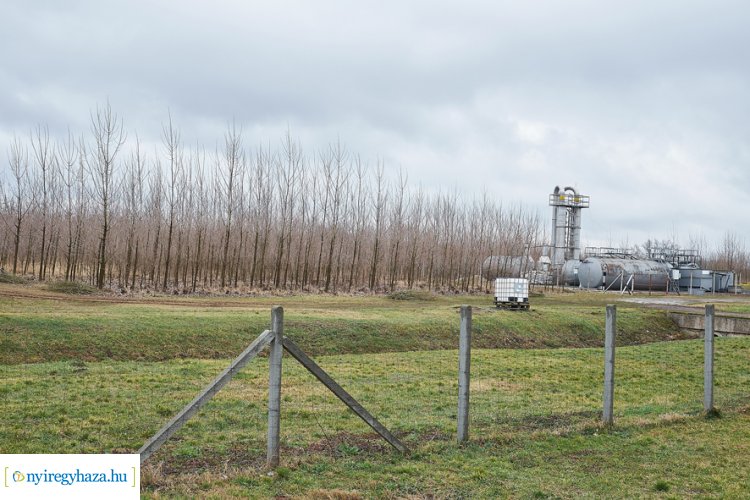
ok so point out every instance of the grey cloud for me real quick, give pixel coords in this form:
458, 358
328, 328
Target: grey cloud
622, 99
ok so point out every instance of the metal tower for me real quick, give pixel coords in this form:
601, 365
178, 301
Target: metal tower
566, 206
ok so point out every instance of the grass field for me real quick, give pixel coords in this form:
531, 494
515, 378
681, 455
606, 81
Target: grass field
54, 327
535, 410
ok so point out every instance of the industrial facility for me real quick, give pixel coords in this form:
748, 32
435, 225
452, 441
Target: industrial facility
661, 270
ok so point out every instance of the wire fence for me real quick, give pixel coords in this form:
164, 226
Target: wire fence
67, 407
732, 373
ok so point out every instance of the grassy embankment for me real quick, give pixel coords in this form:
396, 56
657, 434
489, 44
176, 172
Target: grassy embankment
53, 327
535, 411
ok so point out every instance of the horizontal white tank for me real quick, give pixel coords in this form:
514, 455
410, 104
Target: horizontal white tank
616, 273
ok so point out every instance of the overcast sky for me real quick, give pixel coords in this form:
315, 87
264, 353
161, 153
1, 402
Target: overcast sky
642, 105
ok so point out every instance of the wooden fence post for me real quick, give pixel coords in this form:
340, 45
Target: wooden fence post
708, 360
274, 385
609, 366
464, 373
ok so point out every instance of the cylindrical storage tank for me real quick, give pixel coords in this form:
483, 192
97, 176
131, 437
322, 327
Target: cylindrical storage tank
570, 272
591, 273
505, 266
615, 274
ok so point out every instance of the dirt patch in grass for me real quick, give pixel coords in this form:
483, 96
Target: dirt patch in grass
412, 295
329, 495
238, 455
434, 435
348, 444
344, 444
550, 421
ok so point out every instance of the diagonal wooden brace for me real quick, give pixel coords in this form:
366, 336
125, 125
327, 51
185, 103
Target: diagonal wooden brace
205, 396
340, 393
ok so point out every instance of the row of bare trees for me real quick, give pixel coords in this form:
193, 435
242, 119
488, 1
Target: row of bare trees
730, 254
727, 254
98, 208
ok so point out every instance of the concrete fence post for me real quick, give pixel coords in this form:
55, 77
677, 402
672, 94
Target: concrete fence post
609, 365
708, 360
274, 385
464, 372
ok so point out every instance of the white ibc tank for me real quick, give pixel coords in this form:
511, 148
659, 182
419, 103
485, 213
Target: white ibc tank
512, 292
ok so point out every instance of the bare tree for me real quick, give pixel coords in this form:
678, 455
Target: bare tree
416, 221
81, 210
380, 200
325, 164
231, 171
337, 178
109, 137
134, 177
397, 226
20, 202
302, 226
731, 251
264, 206
312, 221
171, 140
43, 156
287, 173
200, 214
287, 221
69, 154
359, 217
155, 191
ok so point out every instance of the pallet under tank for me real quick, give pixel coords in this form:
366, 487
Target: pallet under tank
614, 273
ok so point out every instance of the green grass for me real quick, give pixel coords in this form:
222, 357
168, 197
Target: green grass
49, 328
534, 424
734, 308
71, 288
420, 295
12, 279
93, 375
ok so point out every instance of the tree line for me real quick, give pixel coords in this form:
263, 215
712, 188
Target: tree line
727, 254
100, 209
